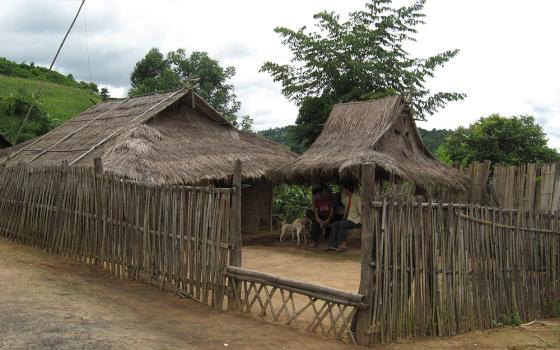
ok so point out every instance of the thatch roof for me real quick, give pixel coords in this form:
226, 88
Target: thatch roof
157, 137
382, 132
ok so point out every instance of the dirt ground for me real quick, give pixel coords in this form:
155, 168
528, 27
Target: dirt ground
49, 302
316, 265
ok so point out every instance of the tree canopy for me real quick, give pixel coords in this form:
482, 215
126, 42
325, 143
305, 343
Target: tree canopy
433, 139
361, 58
159, 72
512, 140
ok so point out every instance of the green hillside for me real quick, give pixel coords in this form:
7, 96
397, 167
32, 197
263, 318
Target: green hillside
58, 101
57, 104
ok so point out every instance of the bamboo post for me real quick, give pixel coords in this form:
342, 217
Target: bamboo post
235, 257
235, 234
364, 316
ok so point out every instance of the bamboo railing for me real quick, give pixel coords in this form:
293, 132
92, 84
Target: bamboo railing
327, 311
175, 237
443, 269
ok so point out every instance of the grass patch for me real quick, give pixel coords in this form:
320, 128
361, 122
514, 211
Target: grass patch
58, 101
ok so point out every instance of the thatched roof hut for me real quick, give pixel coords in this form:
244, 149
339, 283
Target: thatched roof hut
167, 138
172, 137
381, 132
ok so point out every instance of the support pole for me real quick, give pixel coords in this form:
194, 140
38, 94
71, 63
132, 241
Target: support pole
364, 316
235, 257
235, 234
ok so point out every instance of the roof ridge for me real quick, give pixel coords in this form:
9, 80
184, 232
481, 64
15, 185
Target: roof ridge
372, 100
151, 93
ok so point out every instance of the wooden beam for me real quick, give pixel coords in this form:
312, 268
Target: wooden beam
364, 316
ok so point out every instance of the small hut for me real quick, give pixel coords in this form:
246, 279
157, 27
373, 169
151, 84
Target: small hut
165, 138
380, 132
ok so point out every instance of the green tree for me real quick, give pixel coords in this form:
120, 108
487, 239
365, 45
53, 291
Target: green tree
104, 93
433, 139
357, 59
283, 135
156, 72
512, 140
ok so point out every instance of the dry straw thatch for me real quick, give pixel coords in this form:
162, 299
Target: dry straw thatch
158, 137
381, 132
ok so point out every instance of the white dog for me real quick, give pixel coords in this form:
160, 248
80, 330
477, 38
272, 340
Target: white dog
296, 227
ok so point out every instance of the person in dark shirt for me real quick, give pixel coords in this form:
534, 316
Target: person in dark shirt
323, 210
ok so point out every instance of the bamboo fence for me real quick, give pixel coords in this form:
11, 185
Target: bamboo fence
175, 237
443, 269
531, 186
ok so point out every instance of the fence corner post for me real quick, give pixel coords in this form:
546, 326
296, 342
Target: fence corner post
364, 316
235, 234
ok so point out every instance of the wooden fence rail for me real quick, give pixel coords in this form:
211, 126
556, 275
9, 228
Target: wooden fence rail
327, 311
177, 237
447, 269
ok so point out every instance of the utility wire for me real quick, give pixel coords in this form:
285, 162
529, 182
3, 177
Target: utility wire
47, 74
87, 44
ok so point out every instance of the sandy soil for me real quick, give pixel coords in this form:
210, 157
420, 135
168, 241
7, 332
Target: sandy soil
48, 302
316, 265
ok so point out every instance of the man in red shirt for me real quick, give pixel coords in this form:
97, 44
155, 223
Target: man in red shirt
323, 210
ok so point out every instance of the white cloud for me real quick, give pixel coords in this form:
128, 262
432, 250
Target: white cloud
508, 62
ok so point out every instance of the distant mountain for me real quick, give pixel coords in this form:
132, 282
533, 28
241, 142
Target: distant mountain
284, 136
433, 138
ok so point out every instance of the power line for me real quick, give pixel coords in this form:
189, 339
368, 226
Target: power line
87, 44
34, 98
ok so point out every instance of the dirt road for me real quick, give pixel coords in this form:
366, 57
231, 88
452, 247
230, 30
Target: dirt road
48, 302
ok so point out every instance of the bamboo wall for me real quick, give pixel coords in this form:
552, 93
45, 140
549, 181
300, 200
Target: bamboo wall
445, 269
175, 237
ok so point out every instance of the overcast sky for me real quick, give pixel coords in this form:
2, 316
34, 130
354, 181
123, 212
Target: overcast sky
509, 60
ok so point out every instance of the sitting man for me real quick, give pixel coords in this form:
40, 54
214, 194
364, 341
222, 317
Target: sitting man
321, 215
352, 218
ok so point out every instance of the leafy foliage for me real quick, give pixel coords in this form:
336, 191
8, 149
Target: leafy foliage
104, 94
156, 72
512, 140
31, 71
283, 135
555, 310
509, 320
434, 138
291, 201
13, 109
360, 58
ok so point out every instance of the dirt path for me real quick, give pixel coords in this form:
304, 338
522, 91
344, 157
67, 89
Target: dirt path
48, 302
314, 265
